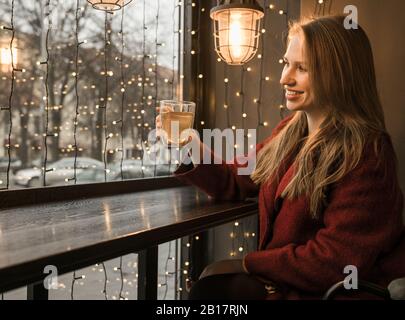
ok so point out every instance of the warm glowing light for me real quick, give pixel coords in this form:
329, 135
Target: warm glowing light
5, 58
237, 31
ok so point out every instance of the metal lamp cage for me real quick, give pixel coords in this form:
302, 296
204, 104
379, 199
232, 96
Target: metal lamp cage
108, 5
237, 30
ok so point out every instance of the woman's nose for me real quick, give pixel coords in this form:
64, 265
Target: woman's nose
287, 78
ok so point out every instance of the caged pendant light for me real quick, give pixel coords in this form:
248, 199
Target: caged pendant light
236, 29
108, 5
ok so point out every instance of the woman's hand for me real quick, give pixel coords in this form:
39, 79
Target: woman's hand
224, 267
158, 121
193, 136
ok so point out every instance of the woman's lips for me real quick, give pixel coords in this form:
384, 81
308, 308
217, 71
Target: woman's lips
293, 95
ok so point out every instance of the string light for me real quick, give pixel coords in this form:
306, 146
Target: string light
75, 74
167, 273
262, 66
200, 83
10, 100
323, 7
281, 61
104, 108
155, 100
142, 102
123, 81
226, 96
46, 97
242, 89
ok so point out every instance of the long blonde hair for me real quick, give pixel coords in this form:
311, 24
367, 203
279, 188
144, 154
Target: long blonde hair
341, 71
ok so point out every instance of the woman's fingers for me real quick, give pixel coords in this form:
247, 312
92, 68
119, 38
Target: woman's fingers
158, 122
165, 109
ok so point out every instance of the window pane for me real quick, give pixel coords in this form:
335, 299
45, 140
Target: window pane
86, 86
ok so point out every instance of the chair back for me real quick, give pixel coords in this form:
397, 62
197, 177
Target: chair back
397, 289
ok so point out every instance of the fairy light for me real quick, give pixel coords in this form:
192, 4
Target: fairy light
76, 73
167, 273
142, 102
174, 28
281, 61
242, 90
258, 102
322, 7
10, 106
105, 99
74, 277
200, 83
104, 109
120, 296
123, 81
155, 100
46, 98
226, 96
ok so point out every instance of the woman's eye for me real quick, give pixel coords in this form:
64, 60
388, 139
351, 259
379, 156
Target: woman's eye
301, 68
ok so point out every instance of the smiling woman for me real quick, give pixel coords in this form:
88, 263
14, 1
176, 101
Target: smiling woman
326, 178
295, 77
330, 82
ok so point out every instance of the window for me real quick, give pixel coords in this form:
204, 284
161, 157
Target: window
76, 61
120, 78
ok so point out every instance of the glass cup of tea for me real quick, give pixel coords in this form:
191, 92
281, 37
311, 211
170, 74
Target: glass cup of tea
176, 117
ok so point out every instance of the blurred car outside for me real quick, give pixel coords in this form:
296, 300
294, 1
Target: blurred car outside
15, 164
60, 172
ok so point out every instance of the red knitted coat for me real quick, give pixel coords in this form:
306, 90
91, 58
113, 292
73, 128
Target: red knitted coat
361, 226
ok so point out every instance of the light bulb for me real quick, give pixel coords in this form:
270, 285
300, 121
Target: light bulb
235, 35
